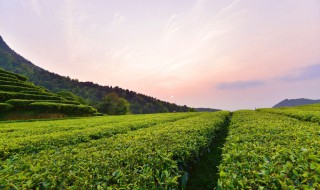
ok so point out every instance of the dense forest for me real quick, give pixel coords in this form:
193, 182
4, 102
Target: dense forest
92, 93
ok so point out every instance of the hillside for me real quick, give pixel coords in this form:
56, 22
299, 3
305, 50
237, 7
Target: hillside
91, 92
20, 99
295, 102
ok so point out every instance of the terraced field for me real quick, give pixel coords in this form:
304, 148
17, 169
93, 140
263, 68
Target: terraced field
17, 95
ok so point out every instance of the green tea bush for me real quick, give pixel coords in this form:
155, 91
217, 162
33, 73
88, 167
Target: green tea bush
23, 104
7, 73
17, 83
68, 109
5, 96
152, 157
269, 151
304, 113
8, 76
32, 137
12, 88
13, 79
4, 107
37, 92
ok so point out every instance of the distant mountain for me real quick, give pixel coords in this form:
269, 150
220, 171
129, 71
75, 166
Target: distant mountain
295, 102
91, 92
206, 109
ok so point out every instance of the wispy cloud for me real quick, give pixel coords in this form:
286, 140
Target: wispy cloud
35, 6
213, 33
118, 19
172, 27
240, 84
306, 73
228, 7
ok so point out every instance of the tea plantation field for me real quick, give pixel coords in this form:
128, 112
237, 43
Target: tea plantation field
21, 99
127, 152
263, 149
269, 151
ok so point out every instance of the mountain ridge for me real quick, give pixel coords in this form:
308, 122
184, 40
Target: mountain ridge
91, 92
295, 102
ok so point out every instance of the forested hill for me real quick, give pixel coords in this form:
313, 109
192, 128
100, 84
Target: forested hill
295, 102
91, 92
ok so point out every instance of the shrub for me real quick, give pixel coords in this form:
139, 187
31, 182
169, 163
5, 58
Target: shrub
8, 76
13, 88
5, 107
4, 78
270, 151
5, 96
7, 73
68, 109
70, 96
37, 92
98, 114
17, 83
24, 104
147, 153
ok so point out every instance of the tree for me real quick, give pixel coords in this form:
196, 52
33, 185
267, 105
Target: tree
192, 110
112, 104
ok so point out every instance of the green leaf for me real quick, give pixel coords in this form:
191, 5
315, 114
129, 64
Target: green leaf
295, 172
184, 180
313, 166
223, 174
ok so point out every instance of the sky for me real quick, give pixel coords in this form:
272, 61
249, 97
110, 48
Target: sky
227, 54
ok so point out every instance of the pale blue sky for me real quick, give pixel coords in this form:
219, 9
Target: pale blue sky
227, 54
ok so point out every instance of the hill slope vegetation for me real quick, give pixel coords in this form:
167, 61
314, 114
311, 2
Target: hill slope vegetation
92, 93
17, 95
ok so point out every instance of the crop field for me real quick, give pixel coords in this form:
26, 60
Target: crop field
263, 149
305, 113
128, 152
269, 151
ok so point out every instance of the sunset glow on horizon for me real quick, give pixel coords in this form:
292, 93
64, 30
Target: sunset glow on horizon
227, 54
